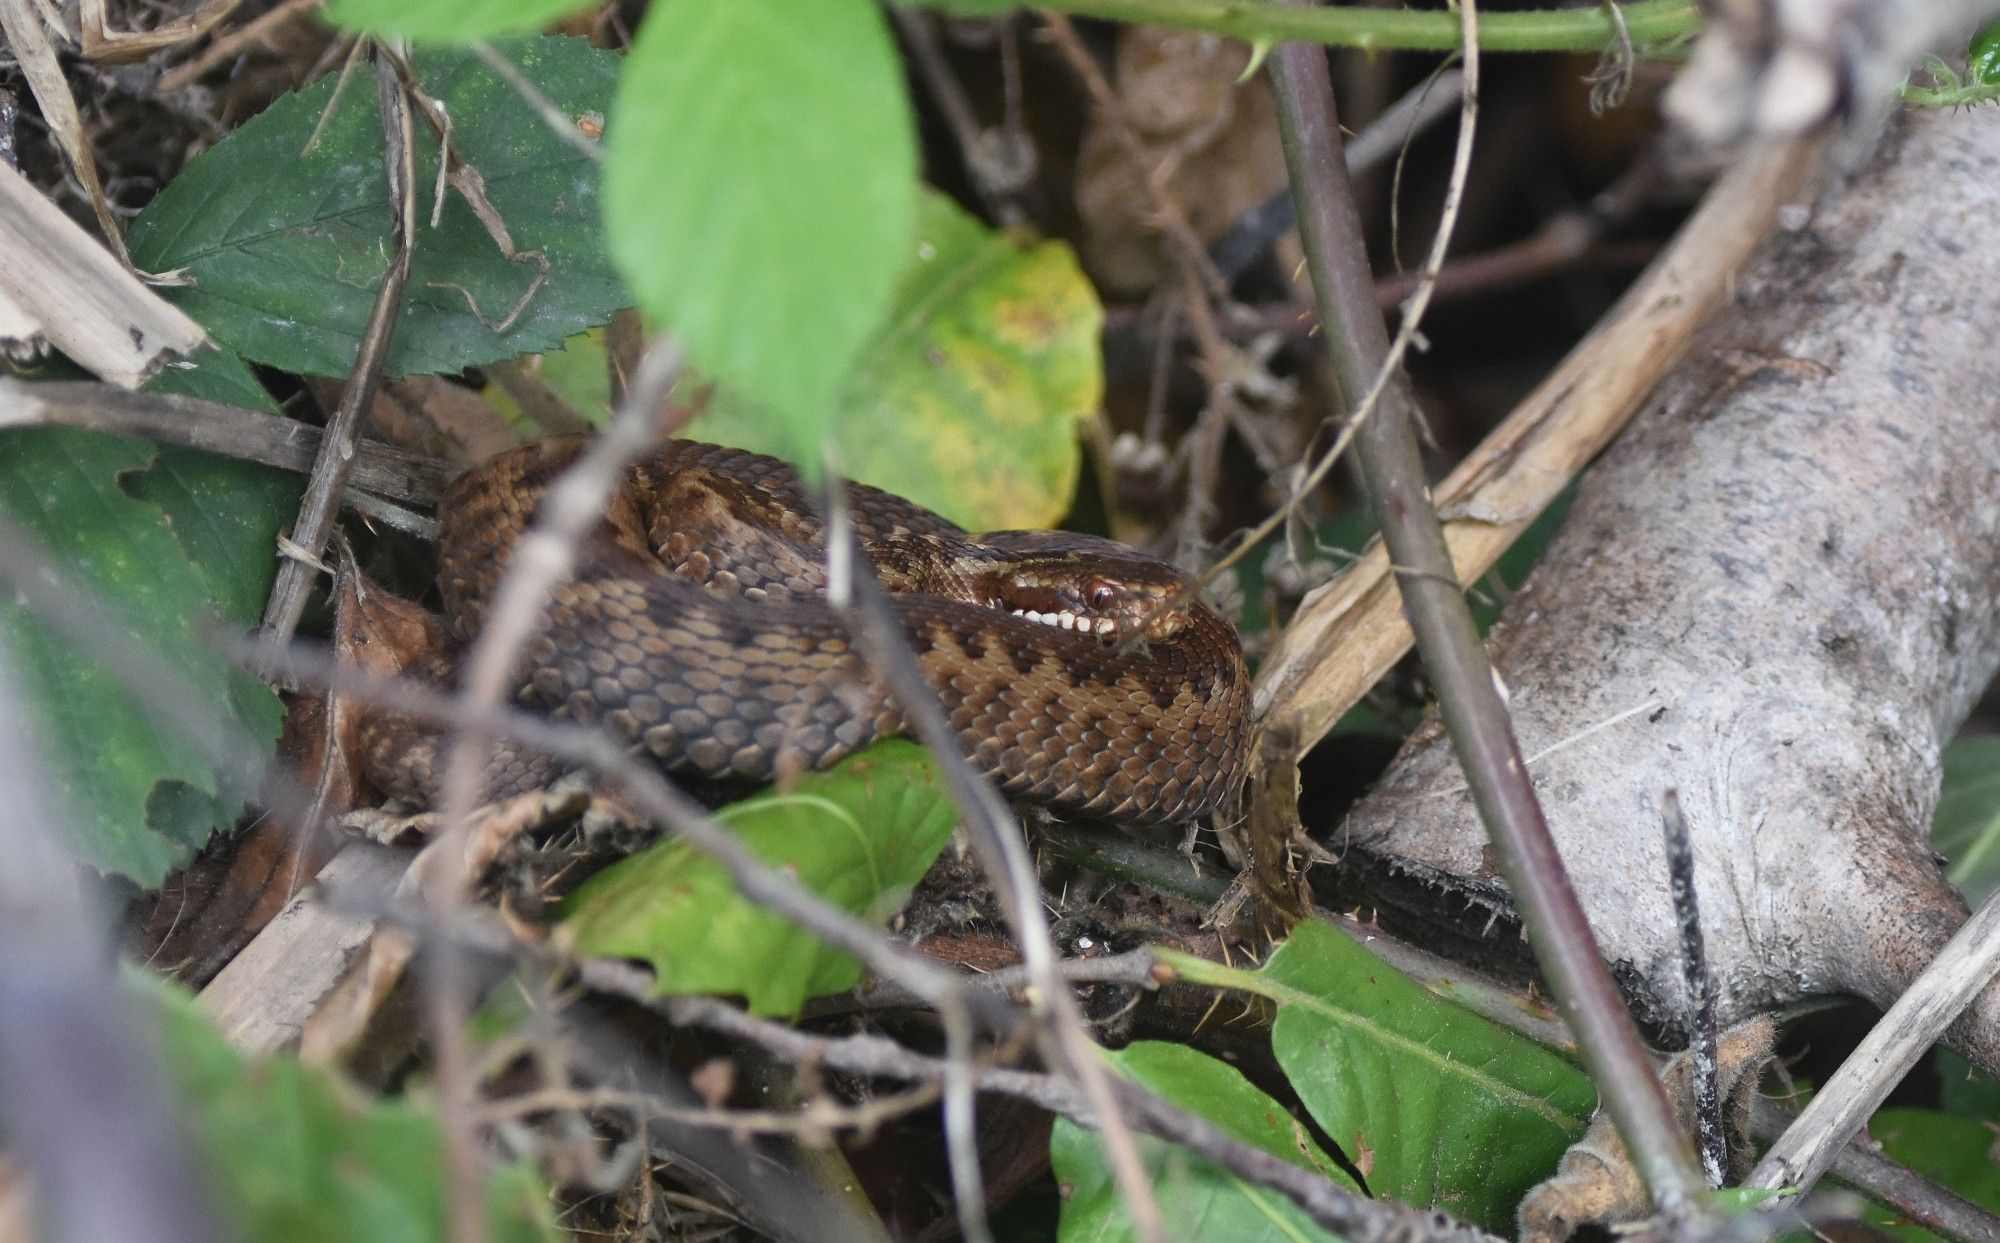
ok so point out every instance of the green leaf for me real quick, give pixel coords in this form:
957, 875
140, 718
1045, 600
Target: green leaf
969, 398
295, 1157
1434, 1104
287, 245
449, 21
759, 194
1952, 1151
578, 373
1964, 1089
1204, 1203
861, 835
214, 375
171, 542
1982, 56
1966, 827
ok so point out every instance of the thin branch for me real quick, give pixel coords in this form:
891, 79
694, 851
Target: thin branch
1934, 999
999, 169
1273, 21
820, 1118
1474, 711
28, 39
997, 842
1348, 633
1415, 111
1862, 1166
328, 481
652, 795
235, 431
1388, 369
544, 557
232, 44
1355, 1218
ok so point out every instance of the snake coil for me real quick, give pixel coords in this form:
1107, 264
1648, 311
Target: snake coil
1078, 673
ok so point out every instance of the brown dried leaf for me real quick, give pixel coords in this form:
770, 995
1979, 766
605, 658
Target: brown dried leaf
432, 416
379, 634
1207, 141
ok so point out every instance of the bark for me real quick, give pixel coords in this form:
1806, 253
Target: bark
1794, 555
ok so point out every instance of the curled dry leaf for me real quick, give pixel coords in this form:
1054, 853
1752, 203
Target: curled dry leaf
1795, 553
1596, 1183
382, 635
1207, 139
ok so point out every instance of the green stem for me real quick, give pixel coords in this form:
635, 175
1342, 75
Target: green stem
1964, 96
1437, 30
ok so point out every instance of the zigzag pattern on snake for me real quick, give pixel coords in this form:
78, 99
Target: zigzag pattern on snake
1078, 673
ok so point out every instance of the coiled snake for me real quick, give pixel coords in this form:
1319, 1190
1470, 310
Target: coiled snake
1073, 672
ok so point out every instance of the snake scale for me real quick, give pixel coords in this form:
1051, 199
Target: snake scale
1079, 674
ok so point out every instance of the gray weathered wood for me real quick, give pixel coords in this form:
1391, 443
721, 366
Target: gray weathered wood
1794, 554
260, 1002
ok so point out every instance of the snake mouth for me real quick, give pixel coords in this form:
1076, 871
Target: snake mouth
1065, 620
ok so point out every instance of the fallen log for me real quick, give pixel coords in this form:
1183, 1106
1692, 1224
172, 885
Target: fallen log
1779, 595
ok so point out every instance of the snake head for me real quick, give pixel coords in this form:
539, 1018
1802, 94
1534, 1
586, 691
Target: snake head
1084, 583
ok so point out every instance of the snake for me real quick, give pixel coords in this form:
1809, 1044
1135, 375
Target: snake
1079, 674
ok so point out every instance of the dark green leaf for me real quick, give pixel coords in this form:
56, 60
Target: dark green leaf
1966, 828
214, 375
860, 835
172, 543
1435, 1105
448, 21
1957, 1153
287, 246
760, 191
297, 1158
1204, 1203
1964, 1089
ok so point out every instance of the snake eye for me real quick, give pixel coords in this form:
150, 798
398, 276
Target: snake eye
1102, 595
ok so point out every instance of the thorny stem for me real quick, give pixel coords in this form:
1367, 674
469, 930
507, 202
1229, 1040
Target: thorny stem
1584, 29
1474, 712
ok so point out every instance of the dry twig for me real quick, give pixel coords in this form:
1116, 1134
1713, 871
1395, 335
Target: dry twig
1347, 634
328, 480
1936, 998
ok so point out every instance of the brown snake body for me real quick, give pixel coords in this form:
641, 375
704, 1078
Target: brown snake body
694, 628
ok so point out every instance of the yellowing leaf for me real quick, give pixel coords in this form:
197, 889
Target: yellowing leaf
968, 400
